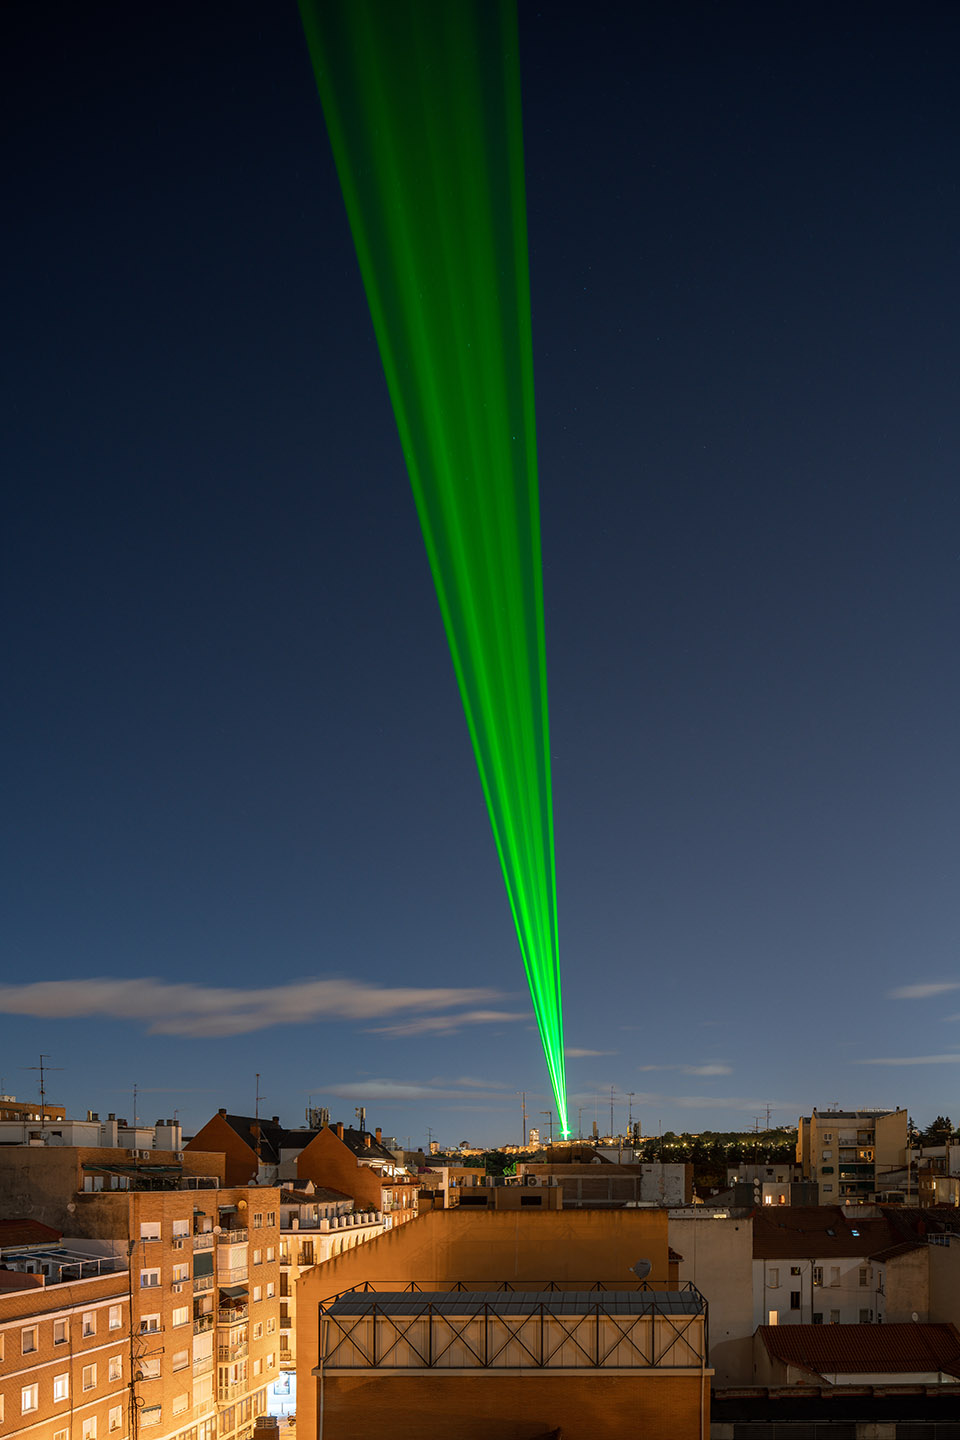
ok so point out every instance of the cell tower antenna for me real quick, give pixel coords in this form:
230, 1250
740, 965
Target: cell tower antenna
523, 1108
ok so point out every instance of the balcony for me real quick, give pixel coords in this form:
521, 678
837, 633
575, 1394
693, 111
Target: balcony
202, 1282
204, 1241
202, 1323
232, 1237
232, 1274
286, 1357
203, 1364
227, 1353
233, 1315
231, 1392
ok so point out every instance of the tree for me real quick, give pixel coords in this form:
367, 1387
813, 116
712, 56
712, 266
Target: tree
938, 1132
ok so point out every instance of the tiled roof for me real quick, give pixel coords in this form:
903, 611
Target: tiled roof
355, 1140
864, 1349
271, 1136
817, 1232
320, 1193
27, 1232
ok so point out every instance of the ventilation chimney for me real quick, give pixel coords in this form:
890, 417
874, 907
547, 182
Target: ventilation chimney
378, 1133
339, 1129
222, 1110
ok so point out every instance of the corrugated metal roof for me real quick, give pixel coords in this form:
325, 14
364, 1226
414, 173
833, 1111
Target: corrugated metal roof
862, 1349
519, 1302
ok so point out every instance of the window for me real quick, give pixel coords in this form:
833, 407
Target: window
258, 1257
271, 1253
826, 1169
28, 1340
834, 1274
828, 1138
90, 1428
866, 1317
61, 1333
202, 1391
89, 1377
257, 1293
257, 1221
148, 1367
271, 1325
258, 1330
271, 1217
150, 1230
834, 1317
794, 1299
180, 1274
772, 1317
181, 1359
272, 1289
28, 1399
151, 1415
149, 1324
57, 1434
818, 1274
61, 1387
818, 1317
257, 1366
794, 1269
115, 1367
271, 1360
180, 1403
149, 1278
115, 1320
89, 1323
115, 1419
180, 1316
181, 1228
828, 1189
827, 1155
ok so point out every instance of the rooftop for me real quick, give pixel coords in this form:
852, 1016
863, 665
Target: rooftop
865, 1349
787, 1232
519, 1302
21, 1231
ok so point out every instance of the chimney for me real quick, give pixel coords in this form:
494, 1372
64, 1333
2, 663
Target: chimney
276, 1120
367, 1141
222, 1110
378, 1134
339, 1129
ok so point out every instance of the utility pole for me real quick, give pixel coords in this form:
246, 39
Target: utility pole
630, 1095
550, 1114
612, 1092
429, 1140
43, 1068
523, 1107
579, 1122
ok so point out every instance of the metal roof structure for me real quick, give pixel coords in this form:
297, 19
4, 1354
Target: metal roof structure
519, 1302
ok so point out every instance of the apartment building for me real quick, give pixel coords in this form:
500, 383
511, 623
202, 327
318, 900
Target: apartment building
848, 1152
203, 1275
65, 1357
315, 1225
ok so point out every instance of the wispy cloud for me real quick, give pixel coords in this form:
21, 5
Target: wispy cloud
692, 1069
951, 1058
923, 992
715, 1102
170, 1008
574, 1052
445, 1024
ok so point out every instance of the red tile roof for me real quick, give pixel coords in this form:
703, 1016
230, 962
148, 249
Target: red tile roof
864, 1349
27, 1232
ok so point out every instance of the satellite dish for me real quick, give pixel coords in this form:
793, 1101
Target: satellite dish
218, 1230
71, 1207
914, 1317
642, 1269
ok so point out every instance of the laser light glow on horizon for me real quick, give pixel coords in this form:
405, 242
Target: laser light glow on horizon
422, 105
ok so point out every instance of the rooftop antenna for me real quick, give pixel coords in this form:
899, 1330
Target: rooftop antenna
256, 1116
361, 1114
134, 1107
612, 1093
43, 1068
549, 1113
630, 1095
523, 1109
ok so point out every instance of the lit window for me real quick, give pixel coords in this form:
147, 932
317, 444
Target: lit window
28, 1399
61, 1387
28, 1340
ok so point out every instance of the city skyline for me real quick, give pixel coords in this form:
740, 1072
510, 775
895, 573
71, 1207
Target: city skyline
242, 827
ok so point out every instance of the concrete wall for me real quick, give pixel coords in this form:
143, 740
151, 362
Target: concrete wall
906, 1287
718, 1259
523, 1246
944, 1281
531, 1406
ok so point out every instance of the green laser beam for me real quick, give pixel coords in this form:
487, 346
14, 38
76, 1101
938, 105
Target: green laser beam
422, 106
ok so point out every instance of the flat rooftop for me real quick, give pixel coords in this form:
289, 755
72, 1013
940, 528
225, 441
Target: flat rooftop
518, 1302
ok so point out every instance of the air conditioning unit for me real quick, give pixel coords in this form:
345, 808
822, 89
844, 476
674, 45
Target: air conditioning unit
141, 1154
178, 1154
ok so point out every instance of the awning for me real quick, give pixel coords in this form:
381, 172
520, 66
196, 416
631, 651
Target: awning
234, 1292
227, 1209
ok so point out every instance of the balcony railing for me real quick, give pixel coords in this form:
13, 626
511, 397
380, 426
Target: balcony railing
202, 1282
203, 1364
226, 1353
286, 1357
204, 1241
231, 1237
232, 1274
231, 1392
234, 1315
202, 1323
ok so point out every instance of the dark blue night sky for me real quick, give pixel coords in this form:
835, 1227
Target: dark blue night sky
234, 755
